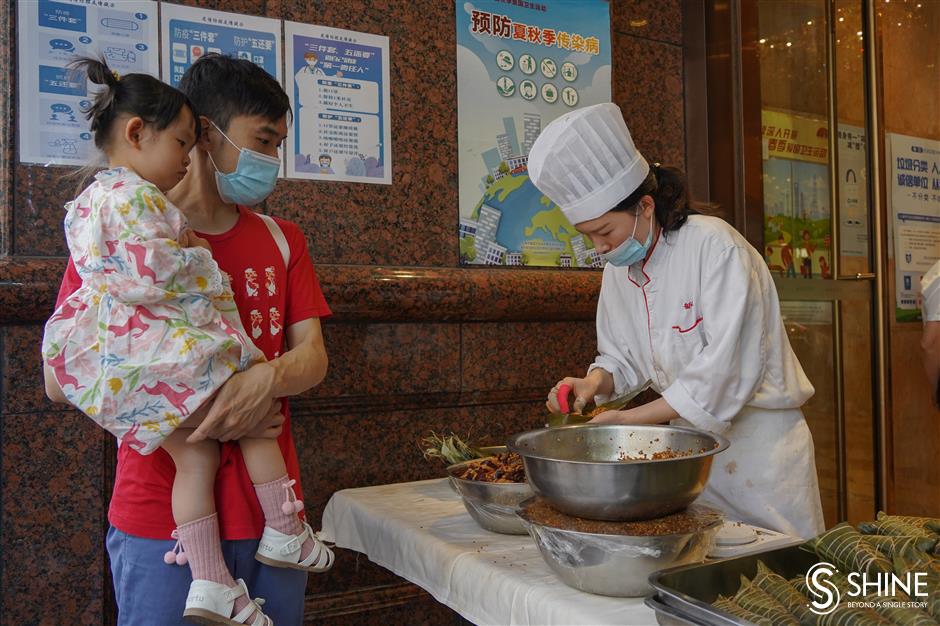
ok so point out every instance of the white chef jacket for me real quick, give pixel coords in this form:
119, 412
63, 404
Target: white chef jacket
700, 322
930, 289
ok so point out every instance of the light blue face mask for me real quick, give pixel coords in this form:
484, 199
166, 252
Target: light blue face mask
253, 179
630, 251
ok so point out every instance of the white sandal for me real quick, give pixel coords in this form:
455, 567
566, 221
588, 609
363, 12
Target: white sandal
211, 604
279, 550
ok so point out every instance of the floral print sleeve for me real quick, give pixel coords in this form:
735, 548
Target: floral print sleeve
153, 331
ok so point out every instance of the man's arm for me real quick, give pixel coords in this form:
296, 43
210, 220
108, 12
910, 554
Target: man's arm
245, 399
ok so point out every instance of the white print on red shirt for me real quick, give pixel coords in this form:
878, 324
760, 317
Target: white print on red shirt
251, 282
275, 320
256, 321
269, 280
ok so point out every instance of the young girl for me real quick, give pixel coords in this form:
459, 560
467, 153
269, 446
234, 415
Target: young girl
153, 333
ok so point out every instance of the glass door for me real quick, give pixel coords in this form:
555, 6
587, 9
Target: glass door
803, 83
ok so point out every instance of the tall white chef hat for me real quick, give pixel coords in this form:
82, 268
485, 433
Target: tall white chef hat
586, 163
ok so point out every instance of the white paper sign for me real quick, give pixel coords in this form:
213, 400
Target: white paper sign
52, 126
853, 198
914, 179
189, 33
338, 83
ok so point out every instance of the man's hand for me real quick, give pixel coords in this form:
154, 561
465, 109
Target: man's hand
189, 239
272, 426
242, 404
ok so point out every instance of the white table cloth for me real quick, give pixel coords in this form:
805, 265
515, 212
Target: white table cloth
421, 532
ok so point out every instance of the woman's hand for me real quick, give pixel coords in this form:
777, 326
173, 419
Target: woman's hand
584, 390
656, 412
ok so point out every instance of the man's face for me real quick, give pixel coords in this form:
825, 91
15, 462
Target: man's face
324, 162
252, 132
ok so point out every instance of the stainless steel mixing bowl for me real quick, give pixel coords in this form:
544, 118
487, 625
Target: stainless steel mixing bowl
579, 471
491, 505
616, 565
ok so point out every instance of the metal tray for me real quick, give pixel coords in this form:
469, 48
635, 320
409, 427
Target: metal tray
667, 615
691, 589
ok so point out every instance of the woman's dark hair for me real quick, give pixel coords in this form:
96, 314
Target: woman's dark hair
670, 193
138, 95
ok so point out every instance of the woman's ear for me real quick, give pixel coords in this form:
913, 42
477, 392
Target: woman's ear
648, 205
134, 132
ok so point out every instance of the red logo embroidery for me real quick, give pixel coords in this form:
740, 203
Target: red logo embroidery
687, 305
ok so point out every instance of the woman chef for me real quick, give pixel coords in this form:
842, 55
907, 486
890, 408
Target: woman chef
688, 308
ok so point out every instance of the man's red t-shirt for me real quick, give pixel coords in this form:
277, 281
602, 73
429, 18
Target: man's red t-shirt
269, 300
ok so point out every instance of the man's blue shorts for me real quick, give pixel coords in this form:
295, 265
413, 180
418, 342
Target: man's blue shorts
149, 592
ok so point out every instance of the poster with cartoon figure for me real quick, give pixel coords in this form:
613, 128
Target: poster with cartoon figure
797, 211
52, 98
338, 83
520, 65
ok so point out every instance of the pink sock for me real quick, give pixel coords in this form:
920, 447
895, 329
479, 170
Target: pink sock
272, 497
203, 547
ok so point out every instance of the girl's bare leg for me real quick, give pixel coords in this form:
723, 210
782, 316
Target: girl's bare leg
196, 467
197, 524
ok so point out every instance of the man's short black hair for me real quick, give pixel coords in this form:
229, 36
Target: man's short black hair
223, 87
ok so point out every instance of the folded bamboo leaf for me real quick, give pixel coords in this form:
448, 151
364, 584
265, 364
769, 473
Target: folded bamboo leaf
844, 546
781, 590
890, 545
902, 616
931, 524
730, 606
895, 527
904, 564
841, 615
919, 560
756, 600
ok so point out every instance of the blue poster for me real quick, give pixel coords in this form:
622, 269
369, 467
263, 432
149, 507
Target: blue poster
189, 33
520, 65
53, 129
338, 84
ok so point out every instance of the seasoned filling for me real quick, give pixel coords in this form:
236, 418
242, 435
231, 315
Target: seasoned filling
503, 468
690, 520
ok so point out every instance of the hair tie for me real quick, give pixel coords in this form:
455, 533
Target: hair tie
117, 77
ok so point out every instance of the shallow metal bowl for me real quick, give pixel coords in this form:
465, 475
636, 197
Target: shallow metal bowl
579, 471
615, 565
491, 505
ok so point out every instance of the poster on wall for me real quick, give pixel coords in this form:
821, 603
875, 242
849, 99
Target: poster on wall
914, 183
52, 126
797, 212
189, 33
853, 196
338, 83
520, 65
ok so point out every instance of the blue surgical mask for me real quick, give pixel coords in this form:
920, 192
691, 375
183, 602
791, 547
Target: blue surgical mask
630, 251
253, 179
